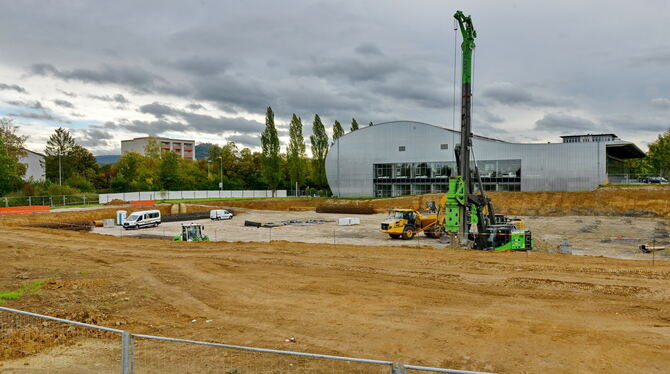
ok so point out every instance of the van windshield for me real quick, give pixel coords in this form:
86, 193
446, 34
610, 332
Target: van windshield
133, 217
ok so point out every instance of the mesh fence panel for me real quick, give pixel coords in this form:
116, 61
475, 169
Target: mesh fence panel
160, 356
33, 344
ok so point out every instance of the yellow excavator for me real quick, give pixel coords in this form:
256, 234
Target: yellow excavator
406, 223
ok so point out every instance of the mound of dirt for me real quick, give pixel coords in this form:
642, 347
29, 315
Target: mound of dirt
116, 202
73, 226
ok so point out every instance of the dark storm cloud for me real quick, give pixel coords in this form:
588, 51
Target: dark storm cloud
118, 98
517, 95
561, 122
63, 103
13, 87
248, 140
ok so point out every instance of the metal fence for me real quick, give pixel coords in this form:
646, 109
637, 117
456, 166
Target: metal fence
52, 200
180, 195
35, 342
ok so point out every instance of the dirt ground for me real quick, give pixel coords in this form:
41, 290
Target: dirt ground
617, 237
505, 312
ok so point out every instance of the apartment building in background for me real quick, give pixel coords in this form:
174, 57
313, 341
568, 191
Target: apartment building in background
34, 165
184, 148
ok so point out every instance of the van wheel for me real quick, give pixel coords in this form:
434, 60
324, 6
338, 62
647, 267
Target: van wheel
408, 232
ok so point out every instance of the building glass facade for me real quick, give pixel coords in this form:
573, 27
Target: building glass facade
410, 178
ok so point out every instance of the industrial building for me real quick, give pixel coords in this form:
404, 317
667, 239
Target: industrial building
34, 166
184, 148
405, 157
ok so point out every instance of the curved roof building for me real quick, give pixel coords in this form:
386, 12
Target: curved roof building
405, 157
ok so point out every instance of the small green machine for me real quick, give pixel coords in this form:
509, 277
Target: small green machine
192, 233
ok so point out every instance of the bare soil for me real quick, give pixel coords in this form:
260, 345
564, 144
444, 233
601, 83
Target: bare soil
507, 312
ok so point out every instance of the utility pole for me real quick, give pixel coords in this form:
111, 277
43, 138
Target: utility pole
60, 169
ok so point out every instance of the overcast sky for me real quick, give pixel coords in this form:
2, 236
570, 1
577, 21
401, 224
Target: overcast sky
207, 70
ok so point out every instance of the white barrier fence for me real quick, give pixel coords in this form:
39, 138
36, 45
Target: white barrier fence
104, 198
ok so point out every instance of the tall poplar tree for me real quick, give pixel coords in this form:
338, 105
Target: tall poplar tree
337, 130
354, 124
296, 152
270, 162
59, 146
319, 141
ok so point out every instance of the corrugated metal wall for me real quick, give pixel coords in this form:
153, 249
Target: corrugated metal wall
544, 167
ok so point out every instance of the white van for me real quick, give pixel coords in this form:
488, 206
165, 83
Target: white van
145, 218
219, 214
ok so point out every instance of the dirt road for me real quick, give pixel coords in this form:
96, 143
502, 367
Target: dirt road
505, 312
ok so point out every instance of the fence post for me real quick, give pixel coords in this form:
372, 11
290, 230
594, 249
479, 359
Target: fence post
84, 199
30, 201
126, 353
63, 200
51, 200
6, 203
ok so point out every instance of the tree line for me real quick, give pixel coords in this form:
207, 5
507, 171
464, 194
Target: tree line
70, 168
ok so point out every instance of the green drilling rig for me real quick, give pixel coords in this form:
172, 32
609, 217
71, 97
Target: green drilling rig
464, 207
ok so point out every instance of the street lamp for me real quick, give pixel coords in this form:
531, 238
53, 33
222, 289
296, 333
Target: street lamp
221, 169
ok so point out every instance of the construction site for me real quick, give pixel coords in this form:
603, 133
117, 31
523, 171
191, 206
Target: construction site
602, 308
492, 274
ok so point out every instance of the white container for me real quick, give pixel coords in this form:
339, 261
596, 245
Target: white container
120, 217
108, 222
348, 221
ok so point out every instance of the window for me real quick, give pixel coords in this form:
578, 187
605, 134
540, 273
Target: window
401, 148
487, 169
420, 189
422, 170
383, 170
441, 169
509, 168
402, 189
403, 170
444, 146
383, 190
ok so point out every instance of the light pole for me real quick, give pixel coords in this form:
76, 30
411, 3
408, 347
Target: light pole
221, 169
60, 170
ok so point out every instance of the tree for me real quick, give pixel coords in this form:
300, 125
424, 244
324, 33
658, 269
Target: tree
82, 162
152, 149
60, 143
168, 171
13, 144
10, 179
270, 157
659, 154
319, 141
354, 124
296, 152
337, 130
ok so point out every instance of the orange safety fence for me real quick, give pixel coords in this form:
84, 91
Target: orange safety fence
25, 209
142, 203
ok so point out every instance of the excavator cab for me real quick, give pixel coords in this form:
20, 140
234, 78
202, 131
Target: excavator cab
507, 237
192, 233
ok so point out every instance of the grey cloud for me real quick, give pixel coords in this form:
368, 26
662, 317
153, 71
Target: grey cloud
203, 66
234, 93
67, 93
118, 98
63, 103
148, 127
94, 137
353, 69
13, 87
158, 110
661, 102
38, 116
515, 95
201, 122
27, 104
368, 49
560, 122
248, 140
195, 106
134, 77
